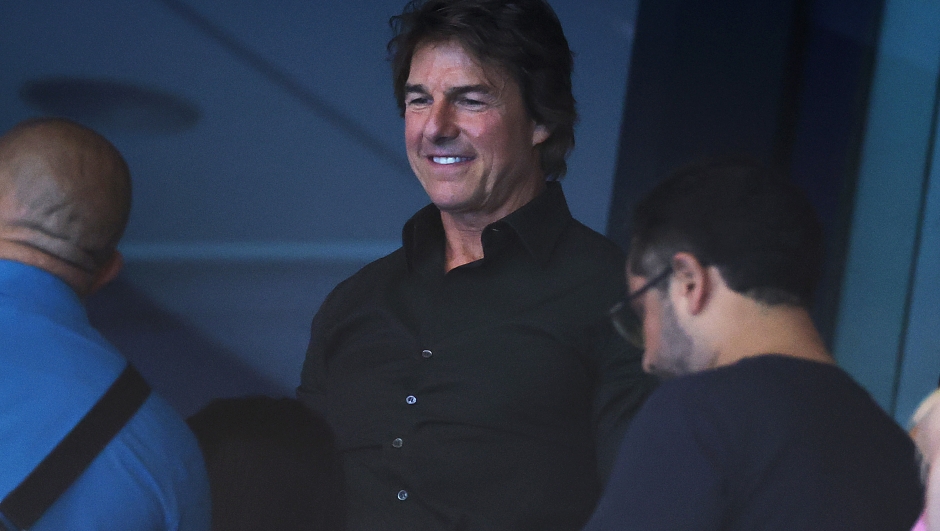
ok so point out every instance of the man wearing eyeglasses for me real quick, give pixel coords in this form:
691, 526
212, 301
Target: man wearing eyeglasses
755, 428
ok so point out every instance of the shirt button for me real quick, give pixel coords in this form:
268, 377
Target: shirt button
411, 399
397, 443
403, 495
426, 354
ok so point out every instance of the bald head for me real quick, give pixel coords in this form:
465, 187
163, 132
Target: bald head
64, 192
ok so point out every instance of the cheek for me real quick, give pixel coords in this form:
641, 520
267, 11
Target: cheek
929, 440
412, 131
651, 335
492, 132
651, 326
416, 124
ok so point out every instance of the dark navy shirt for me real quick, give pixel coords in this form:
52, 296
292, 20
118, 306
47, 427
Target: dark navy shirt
769, 443
490, 397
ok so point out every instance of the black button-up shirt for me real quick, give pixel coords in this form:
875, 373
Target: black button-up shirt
490, 397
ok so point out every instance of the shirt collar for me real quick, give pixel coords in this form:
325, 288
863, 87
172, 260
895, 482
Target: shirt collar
538, 225
41, 292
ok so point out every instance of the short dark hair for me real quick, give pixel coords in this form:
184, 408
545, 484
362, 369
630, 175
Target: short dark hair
524, 37
751, 222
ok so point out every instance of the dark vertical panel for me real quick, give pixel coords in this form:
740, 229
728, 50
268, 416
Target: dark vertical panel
707, 78
826, 150
798, 51
784, 81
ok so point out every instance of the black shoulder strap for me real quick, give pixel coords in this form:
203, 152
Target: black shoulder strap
27, 502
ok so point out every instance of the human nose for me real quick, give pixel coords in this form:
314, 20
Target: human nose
441, 125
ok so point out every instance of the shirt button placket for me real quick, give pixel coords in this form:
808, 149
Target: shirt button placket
398, 442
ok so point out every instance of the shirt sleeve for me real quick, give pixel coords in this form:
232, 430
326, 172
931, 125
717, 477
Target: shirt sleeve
621, 388
665, 476
311, 391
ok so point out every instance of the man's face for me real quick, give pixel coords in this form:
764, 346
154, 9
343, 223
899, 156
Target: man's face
469, 138
669, 350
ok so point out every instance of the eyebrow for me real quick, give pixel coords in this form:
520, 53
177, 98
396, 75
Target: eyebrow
451, 92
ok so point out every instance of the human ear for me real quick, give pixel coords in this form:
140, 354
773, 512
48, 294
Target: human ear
540, 134
690, 284
108, 271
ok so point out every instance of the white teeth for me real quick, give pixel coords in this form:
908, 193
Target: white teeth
448, 160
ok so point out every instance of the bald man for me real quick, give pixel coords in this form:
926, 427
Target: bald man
65, 197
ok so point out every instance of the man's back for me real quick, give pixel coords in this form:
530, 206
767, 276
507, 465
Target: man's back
768, 443
55, 367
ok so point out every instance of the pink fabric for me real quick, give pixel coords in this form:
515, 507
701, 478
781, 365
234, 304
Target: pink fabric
921, 524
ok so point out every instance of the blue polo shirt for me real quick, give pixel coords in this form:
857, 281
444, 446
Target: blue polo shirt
53, 368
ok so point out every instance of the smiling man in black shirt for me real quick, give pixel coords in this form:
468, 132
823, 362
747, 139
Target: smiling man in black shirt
472, 377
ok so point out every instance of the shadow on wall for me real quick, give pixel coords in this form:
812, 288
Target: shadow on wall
169, 352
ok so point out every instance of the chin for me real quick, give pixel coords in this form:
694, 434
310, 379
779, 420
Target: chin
455, 207
453, 200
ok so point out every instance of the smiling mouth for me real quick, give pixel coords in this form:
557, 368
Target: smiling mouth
449, 160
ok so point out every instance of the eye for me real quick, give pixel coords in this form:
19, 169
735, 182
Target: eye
471, 102
417, 101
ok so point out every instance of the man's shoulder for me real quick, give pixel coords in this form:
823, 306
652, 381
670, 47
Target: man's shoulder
580, 234
360, 285
581, 244
158, 444
757, 378
375, 273
756, 386
782, 394
157, 427
150, 476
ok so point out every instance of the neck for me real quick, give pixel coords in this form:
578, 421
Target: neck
757, 329
463, 243
77, 279
463, 231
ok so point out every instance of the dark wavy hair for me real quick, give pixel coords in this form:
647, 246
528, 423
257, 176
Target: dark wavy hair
751, 222
524, 37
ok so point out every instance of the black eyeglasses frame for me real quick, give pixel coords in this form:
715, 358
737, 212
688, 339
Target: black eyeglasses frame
625, 321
